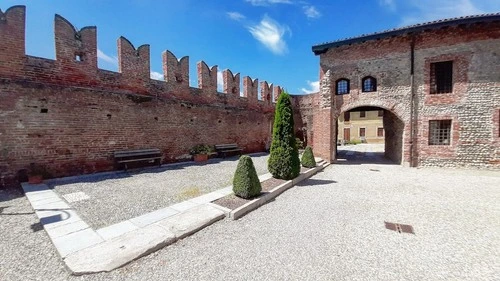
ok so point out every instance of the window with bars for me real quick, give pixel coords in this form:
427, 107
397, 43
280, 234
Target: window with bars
362, 132
369, 84
347, 116
342, 86
362, 114
380, 132
439, 132
441, 77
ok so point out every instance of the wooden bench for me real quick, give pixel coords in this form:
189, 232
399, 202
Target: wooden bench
128, 156
224, 149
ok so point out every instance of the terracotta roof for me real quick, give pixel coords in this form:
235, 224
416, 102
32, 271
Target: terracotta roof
321, 48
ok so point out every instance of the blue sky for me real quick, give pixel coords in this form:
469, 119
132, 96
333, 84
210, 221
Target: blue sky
266, 39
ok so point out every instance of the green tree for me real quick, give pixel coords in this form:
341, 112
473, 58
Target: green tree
284, 162
246, 183
308, 158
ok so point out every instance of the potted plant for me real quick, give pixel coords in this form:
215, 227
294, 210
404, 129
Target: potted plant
200, 152
36, 173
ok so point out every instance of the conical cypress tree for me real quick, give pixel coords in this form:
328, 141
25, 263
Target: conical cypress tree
284, 162
308, 158
246, 183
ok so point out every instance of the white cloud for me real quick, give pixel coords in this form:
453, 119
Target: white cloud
268, 2
270, 33
311, 12
235, 16
220, 81
113, 60
156, 76
313, 87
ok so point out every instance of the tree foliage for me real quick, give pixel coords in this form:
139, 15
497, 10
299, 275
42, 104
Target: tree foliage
284, 162
308, 158
246, 183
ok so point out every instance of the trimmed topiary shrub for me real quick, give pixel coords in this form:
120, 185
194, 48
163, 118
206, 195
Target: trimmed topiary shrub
246, 183
284, 162
308, 158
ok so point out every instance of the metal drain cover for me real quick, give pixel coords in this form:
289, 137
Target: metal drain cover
401, 228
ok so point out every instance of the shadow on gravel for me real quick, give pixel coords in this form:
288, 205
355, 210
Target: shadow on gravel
10, 193
315, 182
36, 227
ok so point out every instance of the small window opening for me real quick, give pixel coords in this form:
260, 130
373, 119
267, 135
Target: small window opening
347, 116
79, 57
441, 77
362, 114
342, 87
439, 132
44, 110
369, 84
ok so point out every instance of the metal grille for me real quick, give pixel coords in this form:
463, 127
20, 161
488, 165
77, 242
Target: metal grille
369, 84
342, 87
442, 77
439, 132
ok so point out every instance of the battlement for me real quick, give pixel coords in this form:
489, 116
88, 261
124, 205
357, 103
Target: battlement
76, 64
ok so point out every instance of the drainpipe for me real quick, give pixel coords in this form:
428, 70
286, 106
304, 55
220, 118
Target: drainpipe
412, 103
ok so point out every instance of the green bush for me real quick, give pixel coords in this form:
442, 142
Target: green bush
300, 144
308, 158
284, 162
246, 183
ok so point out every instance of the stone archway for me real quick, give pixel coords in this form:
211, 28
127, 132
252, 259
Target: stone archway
393, 124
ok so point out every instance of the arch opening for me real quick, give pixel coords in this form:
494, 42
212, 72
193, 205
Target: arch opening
368, 134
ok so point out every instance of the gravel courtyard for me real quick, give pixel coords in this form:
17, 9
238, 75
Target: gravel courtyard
116, 197
330, 227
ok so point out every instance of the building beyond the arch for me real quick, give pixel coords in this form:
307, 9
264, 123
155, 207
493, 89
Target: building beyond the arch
439, 82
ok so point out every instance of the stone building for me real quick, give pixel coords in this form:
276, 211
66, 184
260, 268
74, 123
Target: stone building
438, 84
361, 127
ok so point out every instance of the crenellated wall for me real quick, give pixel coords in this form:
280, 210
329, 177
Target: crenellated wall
70, 116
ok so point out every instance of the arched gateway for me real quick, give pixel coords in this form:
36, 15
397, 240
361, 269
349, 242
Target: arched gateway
437, 83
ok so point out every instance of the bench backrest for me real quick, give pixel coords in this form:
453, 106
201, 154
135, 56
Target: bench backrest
226, 146
137, 152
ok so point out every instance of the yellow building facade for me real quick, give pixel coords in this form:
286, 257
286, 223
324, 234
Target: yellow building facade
361, 126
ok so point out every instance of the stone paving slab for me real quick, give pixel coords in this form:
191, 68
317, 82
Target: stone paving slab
66, 229
153, 217
116, 229
120, 250
123, 249
183, 206
76, 241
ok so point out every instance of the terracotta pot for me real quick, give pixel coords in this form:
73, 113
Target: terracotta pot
35, 179
200, 157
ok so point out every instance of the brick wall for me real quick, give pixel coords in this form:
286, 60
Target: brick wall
472, 105
70, 116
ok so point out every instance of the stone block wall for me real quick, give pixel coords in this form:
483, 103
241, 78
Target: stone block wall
70, 116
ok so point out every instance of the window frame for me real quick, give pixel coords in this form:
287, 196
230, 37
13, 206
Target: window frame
348, 86
364, 132
441, 77
348, 114
444, 135
362, 115
383, 132
374, 85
